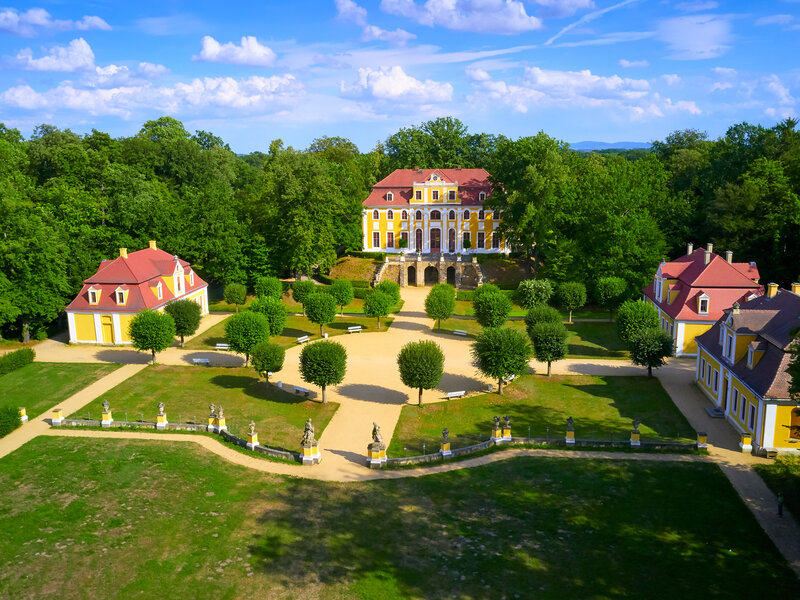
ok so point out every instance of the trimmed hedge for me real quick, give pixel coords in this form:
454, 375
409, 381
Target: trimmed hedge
324, 279
372, 255
468, 295
360, 292
489, 256
9, 420
15, 360
357, 283
360, 283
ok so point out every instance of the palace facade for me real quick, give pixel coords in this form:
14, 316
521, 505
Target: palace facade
431, 210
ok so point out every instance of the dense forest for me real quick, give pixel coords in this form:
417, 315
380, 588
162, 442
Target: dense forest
67, 201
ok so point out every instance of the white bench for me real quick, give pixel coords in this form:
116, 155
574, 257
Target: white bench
510, 379
303, 339
223, 346
460, 332
300, 390
201, 361
354, 329
459, 394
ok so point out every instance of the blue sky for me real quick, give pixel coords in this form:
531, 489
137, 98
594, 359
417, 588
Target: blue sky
606, 70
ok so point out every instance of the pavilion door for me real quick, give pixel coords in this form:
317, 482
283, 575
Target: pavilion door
451, 241
436, 240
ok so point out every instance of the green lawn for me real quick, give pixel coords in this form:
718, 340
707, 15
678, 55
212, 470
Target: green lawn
783, 476
586, 339
603, 409
187, 392
39, 386
296, 326
93, 518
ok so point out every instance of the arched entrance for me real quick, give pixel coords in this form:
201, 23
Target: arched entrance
418, 240
431, 275
451, 275
412, 275
451, 241
436, 239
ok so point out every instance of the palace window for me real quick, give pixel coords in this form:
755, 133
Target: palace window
702, 304
418, 194
120, 297
728, 350
495, 240
94, 297
465, 239
404, 236
466, 215
390, 197
716, 381
436, 215
482, 196
735, 400
751, 422
481, 215
451, 215
375, 215
435, 195
390, 215
744, 408
481, 239
404, 215
376, 239
418, 216
451, 195
390, 240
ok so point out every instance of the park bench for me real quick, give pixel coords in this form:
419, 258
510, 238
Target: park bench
354, 329
303, 339
300, 390
509, 379
460, 332
223, 346
201, 361
458, 394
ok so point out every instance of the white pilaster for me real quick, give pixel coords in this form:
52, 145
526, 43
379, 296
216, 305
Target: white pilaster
770, 414
117, 329
98, 329
679, 333
73, 336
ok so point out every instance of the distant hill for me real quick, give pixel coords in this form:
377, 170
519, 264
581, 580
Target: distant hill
589, 146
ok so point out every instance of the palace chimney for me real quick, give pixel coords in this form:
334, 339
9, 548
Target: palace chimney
123, 253
772, 290
735, 309
689, 248
729, 256
709, 247
707, 257
796, 288
153, 245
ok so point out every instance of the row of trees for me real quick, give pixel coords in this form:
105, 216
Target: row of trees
67, 201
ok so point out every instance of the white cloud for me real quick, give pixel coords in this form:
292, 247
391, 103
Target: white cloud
119, 75
250, 95
696, 6
696, 37
347, 10
587, 19
549, 88
393, 84
177, 24
398, 37
562, 8
628, 64
780, 91
671, 78
250, 53
728, 72
775, 20
721, 85
479, 16
77, 56
30, 22
151, 70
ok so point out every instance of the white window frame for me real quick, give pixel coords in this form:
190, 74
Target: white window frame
160, 291
482, 196
390, 239
418, 195
191, 278
376, 215
120, 295
390, 215
389, 197
404, 215
750, 357
451, 195
94, 297
466, 215
700, 300
727, 351
378, 243
478, 242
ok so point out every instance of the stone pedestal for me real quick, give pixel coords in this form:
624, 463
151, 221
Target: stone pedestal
506, 434
497, 434
570, 438
444, 448
475, 259
458, 258
635, 438
746, 442
58, 416
702, 439
311, 454
222, 424
212, 424
23, 415
376, 455
161, 421
107, 419
252, 440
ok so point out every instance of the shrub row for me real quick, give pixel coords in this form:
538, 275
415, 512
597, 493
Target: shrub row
9, 420
361, 292
372, 255
468, 295
356, 283
15, 360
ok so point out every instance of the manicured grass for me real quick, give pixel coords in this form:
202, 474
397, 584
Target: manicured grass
503, 270
586, 339
464, 309
351, 267
603, 409
39, 386
296, 326
222, 306
92, 518
187, 392
783, 476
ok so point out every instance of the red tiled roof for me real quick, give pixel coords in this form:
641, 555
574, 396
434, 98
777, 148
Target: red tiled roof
723, 282
401, 182
138, 273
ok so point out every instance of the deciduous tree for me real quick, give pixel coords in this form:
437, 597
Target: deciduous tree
342, 292
236, 294
650, 348
549, 342
440, 303
245, 330
186, 314
571, 295
634, 316
274, 310
267, 358
421, 365
500, 353
152, 331
377, 304
320, 309
323, 363
491, 309
268, 286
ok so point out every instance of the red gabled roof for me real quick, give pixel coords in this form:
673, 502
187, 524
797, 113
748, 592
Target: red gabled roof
138, 273
401, 183
723, 282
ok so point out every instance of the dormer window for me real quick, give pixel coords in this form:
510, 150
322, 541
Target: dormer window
94, 296
191, 278
160, 291
482, 196
750, 358
390, 197
120, 295
702, 304
434, 177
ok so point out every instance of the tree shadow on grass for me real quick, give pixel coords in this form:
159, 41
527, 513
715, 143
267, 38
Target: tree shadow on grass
410, 326
372, 393
214, 358
295, 333
452, 382
125, 357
